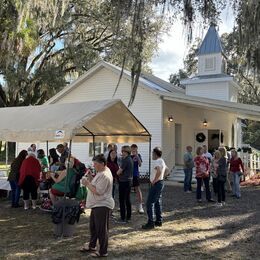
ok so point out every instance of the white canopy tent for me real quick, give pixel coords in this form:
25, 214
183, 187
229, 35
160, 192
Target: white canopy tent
93, 121
106, 120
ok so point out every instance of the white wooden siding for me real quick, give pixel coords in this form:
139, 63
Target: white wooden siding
191, 118
147, 108
219, 90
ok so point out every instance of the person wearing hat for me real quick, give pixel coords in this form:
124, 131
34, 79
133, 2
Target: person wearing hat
125, 174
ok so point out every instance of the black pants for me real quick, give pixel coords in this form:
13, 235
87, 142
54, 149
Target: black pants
221, 191
215, 185
99, 226
124, 200
199, 184
29, 186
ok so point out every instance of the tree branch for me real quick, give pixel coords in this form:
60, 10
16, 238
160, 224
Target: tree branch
253, 87
37, 57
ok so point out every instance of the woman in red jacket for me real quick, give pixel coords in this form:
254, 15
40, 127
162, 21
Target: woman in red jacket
113, 166
236, 169
29, 179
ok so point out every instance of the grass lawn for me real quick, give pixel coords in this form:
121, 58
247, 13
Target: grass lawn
189, 231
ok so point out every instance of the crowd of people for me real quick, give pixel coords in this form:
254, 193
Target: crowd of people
111, 171
101, 193
225, 170
32, 169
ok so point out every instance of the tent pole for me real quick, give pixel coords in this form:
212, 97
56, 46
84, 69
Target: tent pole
94, 146
47, 149
150, 154
66, 184
6, 154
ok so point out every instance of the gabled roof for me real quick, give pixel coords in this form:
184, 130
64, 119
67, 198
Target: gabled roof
211, 42
147, 81
169, 92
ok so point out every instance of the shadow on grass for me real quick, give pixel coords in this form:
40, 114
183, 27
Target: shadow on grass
189, 231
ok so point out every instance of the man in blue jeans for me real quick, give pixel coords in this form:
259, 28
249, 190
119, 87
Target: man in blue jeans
188, 166
154, 202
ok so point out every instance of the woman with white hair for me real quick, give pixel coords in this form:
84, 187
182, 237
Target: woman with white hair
29, 179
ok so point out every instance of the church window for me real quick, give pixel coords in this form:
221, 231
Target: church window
210, 63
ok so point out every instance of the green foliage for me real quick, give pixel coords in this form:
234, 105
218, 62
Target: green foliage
46, 44
251, 134
176, 78
67, 37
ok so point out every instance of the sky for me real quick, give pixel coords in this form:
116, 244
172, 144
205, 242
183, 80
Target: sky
174, 48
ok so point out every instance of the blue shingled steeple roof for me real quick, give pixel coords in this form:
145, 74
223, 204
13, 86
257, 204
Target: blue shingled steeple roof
211, 42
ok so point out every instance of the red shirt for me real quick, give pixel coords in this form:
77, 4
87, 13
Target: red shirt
113, 168
236, 165
202, 166
30, 167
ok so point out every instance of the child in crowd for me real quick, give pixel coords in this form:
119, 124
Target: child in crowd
137, 159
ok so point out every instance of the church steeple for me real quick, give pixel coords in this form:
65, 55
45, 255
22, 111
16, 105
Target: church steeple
210, 55
211, 43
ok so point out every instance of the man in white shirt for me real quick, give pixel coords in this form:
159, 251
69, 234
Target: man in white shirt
154, 202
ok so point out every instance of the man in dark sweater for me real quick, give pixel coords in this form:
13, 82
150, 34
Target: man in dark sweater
125, 174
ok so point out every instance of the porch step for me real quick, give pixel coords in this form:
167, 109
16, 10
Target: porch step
177, 175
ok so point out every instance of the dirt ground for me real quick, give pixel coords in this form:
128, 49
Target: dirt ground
189, 231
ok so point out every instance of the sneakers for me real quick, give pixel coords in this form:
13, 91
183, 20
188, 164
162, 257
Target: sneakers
34, 204
219, 204
199, 200
158, 223
148, 226
223, 203
140, 209
120, 221
97, 254
26, 204
211, 200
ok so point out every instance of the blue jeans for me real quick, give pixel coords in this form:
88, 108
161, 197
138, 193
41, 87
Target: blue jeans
187, 179
236, 184
206, 183
16, 191
154, 202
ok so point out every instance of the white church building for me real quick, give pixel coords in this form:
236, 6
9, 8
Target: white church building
206, 111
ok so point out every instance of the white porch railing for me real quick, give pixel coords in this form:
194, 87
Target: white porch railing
251, 163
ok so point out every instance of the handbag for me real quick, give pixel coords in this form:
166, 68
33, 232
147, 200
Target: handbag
240, 174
